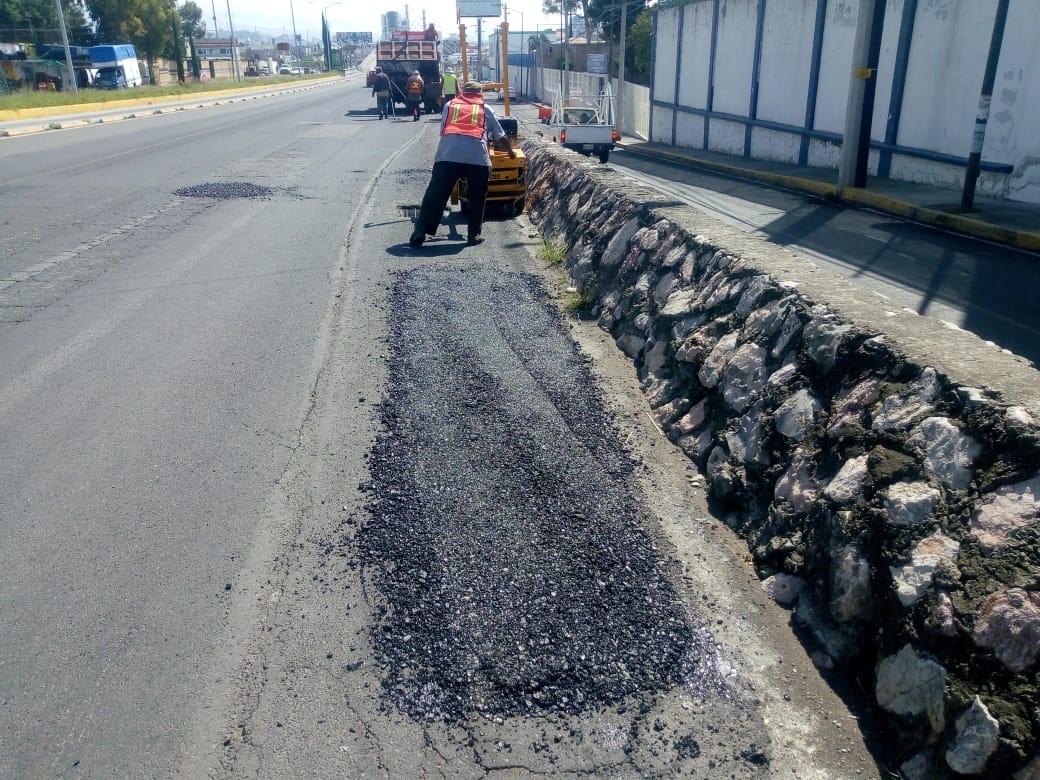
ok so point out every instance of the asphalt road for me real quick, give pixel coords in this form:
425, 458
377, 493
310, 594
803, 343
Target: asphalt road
984, 288
207, 322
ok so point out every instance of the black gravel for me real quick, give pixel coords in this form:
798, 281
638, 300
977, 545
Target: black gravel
504, 533
226, 190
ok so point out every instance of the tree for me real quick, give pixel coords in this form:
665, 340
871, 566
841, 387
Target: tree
638, 47
193, 27
553, 7
537, 41
192, 20
608, 13
39, 20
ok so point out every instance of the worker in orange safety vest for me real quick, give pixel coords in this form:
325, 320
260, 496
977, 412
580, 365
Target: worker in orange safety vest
461, 154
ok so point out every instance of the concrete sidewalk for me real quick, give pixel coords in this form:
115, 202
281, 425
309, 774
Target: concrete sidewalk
1005, 222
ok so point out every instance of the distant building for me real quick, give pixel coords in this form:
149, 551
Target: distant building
391, 22
216, 48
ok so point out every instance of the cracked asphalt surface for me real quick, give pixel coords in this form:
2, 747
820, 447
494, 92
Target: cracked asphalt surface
207, 406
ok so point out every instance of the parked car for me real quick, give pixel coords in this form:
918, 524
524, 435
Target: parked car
512, 93
309, 70
110, 78
285, 70
252, 72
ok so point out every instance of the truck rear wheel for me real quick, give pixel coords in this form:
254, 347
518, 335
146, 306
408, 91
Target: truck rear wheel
604, 155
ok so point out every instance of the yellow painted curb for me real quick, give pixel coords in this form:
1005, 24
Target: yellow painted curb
958, 223
44, 111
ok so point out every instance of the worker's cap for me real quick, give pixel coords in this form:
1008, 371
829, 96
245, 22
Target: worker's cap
378, 69
472, 86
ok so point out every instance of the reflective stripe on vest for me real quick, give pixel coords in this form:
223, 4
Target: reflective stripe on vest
465, 117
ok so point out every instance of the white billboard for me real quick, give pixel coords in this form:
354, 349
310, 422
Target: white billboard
474, 8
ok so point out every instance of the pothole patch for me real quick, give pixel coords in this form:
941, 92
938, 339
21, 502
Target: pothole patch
226, 190
504, 535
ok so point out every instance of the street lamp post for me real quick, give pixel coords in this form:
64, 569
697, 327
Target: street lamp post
234, 52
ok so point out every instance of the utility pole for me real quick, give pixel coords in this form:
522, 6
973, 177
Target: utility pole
859, 112
71, 80
480, 56
971, 175
216, 29
566, 58
295, 40
620, 99
234, 51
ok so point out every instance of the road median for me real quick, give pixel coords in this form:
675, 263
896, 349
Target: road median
108, 105
883, 467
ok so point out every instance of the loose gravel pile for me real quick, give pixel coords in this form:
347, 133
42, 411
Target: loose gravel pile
504, 535
225, 190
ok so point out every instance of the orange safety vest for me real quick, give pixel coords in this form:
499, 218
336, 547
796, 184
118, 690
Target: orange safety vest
415, 86
465, 116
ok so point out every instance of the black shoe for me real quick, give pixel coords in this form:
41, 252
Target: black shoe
418, 237
474, 240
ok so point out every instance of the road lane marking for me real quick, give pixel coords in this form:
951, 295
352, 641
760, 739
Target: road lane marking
26, 274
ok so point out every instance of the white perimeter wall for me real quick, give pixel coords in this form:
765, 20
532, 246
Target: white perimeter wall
944, 74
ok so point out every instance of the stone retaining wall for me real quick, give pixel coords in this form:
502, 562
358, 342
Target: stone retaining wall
884, 468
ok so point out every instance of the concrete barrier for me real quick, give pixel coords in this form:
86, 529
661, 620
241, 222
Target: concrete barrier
884, 468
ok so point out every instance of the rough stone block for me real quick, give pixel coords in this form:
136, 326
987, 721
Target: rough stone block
783, 588
910, 684
744, 376
948, 452
618, 244
1004, 511
1009, 625
909, 503
851, 597
913, 579
796, 415
847, 484
711, 371
978, 733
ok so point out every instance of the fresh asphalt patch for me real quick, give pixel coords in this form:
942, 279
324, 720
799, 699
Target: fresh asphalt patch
510, 548
226, 190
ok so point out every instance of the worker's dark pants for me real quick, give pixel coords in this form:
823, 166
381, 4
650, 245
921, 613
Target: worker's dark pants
415, 106
445, 174
386, 106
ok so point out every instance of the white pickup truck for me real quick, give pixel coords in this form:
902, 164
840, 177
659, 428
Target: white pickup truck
585, 128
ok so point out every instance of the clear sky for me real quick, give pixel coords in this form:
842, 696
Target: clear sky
356, 15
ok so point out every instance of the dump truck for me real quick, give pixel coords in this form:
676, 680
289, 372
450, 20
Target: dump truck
398, 57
